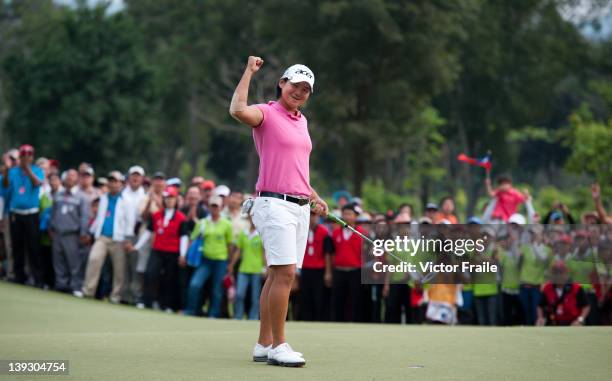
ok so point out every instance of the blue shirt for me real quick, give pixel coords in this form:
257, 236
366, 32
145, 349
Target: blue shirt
109, 219
21, 192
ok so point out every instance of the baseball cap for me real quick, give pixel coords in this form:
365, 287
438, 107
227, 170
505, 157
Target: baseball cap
175, 181
555, 216
26, 148
222, 190
354, 207
116, 175
86, 169
136, 169
170, 191
208, 184
474, 221
431, 206
517, 218
565, 238
215, 200
159, 175
13, 154
300, 73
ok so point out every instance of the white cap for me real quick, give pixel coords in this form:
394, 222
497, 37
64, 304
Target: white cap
300, 73
175, 181
517, 218
136, 169
222, 190
215, 200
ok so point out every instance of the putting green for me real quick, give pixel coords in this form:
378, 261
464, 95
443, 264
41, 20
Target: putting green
109, 342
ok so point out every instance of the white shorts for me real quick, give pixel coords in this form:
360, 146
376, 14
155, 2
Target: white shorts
283, 227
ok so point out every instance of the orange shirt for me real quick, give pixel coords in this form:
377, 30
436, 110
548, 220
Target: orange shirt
449, 217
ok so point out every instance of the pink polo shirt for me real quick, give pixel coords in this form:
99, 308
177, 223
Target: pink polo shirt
283, 144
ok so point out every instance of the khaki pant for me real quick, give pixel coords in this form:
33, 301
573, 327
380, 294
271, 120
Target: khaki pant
100, 249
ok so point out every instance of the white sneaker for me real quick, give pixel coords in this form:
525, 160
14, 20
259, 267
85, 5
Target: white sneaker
260, 353
78, 294
140, 306
283, 355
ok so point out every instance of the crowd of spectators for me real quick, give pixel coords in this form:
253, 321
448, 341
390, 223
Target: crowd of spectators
151, 241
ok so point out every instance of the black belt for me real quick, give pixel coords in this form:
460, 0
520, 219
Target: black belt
296, 200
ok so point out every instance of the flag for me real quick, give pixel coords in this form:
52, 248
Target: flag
484, 162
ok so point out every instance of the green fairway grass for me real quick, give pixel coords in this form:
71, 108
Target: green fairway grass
113, 342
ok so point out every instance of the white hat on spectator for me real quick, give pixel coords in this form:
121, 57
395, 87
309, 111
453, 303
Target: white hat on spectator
136, 169
175, 181
517, 218
222, 190
216, 200
14, 154
116, 175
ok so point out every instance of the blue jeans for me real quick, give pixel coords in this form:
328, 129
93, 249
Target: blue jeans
243, 282
486, 309
530, 298
209, 267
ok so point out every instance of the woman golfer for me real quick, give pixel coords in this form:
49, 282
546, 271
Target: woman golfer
281, 211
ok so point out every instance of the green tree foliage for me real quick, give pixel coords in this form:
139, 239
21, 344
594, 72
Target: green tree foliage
402, 88
79, 87
591, 147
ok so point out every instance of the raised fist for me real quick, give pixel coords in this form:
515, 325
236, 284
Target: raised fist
254, 64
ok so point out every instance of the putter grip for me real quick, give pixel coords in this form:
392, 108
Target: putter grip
330, 216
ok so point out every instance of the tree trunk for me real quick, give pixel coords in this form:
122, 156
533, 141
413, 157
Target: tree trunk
358, 167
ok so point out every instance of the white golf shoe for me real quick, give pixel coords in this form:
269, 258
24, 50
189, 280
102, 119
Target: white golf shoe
260, 353
283, 355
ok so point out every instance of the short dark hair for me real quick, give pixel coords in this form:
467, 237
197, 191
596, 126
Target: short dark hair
352, 207
279, 90
504, 178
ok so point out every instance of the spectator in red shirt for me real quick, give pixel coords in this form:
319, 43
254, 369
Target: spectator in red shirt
346, 290
170, 238
316, 272
563, 302
507, 198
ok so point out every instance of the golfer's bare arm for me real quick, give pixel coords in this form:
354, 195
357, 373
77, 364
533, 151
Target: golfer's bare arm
239, 110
